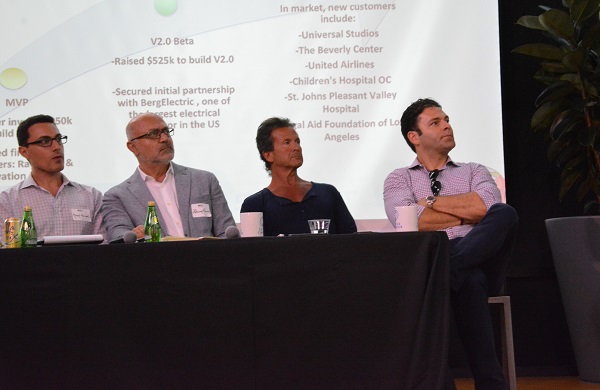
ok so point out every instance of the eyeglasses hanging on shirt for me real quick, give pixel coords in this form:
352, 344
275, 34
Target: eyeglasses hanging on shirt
436, 186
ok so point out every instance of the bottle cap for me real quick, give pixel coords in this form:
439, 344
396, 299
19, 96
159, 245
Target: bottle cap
27, 208
151, 203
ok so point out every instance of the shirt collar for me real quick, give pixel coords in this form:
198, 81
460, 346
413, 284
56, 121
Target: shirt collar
417, 164
30, 182
284, 201
150, 178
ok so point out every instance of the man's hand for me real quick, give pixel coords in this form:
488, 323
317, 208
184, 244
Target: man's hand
452, 210
139, 230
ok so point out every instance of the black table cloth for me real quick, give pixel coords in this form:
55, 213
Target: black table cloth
356, 311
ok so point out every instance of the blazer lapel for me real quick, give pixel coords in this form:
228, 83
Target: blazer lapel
183, 184
140, 195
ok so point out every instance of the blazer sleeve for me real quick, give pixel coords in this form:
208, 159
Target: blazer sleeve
115, 218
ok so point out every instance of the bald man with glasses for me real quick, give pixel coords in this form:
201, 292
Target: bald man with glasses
190, 202
60, 207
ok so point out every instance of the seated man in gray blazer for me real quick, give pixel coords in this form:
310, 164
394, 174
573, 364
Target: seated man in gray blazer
190, 202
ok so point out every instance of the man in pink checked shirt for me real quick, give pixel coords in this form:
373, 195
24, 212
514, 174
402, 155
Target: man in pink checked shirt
463, 200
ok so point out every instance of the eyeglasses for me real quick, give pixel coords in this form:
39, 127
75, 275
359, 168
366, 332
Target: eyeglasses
156, 133
436, 186
47, 141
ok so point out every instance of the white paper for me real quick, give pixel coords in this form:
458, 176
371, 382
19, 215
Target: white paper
52, 240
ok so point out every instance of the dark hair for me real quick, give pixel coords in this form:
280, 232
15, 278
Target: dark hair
264, 142
408, 122
23, 129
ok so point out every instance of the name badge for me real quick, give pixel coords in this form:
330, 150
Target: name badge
201, 210
81, 215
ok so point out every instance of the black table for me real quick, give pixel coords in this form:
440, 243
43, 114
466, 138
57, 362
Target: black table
360, 311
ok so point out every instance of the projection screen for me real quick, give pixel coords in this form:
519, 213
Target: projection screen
343, 70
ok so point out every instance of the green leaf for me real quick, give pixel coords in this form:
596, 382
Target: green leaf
584, 188
553, 67
570, 67
540, 50
592, 92
574, 79
546, 78
559, 24
531, 21
560, 121
576, 174
565, 122
574, 60
568, 178
558, 90
571, 152
582, 10
544, 116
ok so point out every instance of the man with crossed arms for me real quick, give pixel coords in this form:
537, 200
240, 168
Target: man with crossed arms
462, 200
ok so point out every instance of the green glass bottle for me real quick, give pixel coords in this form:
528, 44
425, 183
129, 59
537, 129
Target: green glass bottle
28, 234
152, 230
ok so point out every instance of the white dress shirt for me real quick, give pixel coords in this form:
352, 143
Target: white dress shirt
165, 196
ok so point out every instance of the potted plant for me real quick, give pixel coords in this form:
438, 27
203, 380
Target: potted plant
568, 109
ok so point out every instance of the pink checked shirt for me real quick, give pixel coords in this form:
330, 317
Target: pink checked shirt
406, 186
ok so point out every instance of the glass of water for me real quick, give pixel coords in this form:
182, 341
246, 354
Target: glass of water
319, 226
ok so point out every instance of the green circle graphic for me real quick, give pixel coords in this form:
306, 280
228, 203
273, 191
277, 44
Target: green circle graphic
13, 78
165, 7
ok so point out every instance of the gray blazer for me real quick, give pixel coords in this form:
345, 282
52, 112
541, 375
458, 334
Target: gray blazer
124, 206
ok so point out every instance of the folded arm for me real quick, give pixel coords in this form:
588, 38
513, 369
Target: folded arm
452, 210
116, 219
